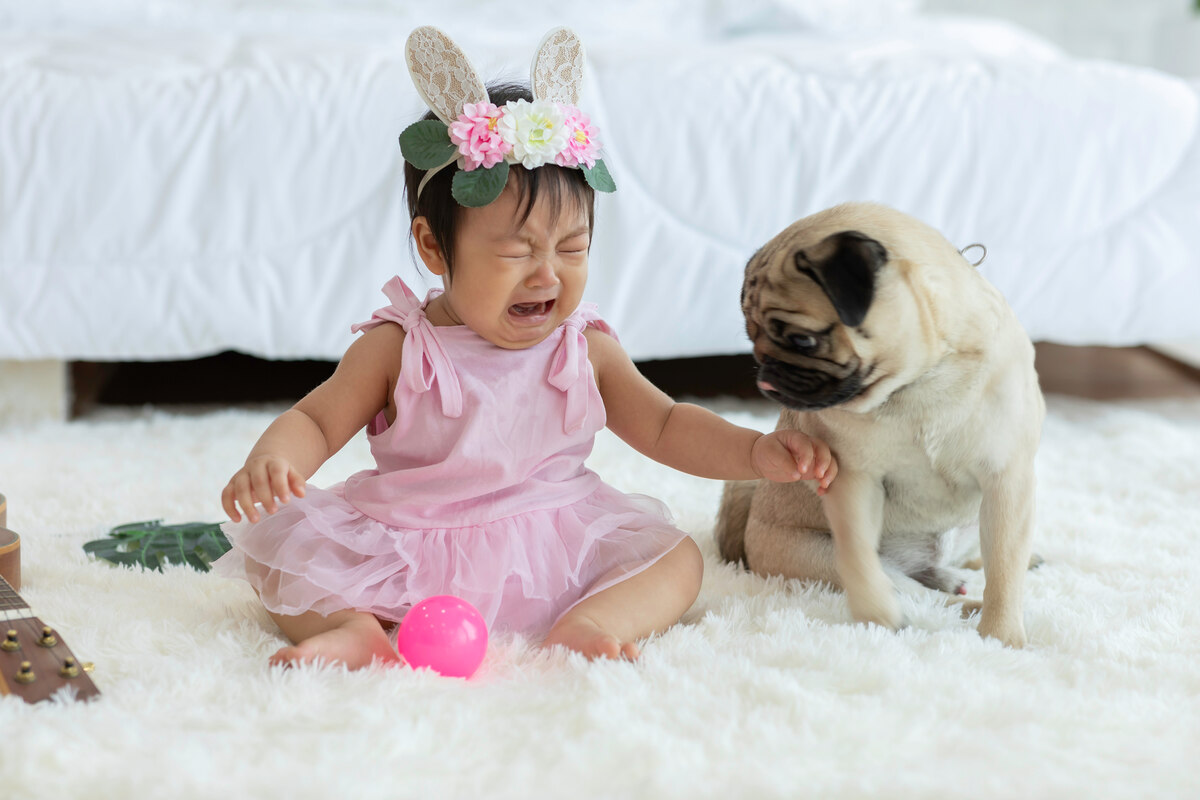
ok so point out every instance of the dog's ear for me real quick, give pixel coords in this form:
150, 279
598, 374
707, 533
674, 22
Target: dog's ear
844, 265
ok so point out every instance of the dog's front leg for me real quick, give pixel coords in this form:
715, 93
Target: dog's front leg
854, 508
1005, 536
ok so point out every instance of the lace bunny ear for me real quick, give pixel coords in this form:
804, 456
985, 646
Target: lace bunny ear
557, 71
442, 73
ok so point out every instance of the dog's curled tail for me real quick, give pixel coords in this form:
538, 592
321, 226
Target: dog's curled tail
730, 532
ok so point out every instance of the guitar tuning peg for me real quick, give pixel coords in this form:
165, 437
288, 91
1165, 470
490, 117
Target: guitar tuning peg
10, 642
69, 669
48, 638
25, 673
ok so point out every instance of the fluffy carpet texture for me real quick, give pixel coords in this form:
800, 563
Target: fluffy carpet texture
766, 689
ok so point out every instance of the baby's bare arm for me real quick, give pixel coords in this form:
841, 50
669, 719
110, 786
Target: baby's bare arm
693, 439
301, 439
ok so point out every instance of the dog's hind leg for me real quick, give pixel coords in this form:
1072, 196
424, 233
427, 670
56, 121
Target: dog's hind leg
927, 558
731, 519
942, 579
806, 554
788, 535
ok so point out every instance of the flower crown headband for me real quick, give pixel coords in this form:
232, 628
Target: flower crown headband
484, 139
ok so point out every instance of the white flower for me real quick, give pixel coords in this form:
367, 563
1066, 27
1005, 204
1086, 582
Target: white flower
537, 131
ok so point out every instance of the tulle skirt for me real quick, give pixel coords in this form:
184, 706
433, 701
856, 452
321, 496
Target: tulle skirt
319, 553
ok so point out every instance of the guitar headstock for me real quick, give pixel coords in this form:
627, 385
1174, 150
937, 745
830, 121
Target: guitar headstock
34, 662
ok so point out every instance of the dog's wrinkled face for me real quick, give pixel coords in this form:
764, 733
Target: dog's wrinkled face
805, 300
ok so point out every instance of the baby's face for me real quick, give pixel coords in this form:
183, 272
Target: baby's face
515, 284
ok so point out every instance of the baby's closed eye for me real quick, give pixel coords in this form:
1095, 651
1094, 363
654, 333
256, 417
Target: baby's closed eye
574, 244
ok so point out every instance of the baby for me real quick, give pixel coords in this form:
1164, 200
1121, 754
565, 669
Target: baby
481, 404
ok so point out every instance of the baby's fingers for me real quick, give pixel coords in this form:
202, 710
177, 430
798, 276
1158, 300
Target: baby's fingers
830, 474
297, 482
260, 483
281, 483
826, 468
227, 503
249, 504
240, 494
801, 449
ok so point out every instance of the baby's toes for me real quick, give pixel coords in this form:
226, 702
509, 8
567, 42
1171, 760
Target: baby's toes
287, 657
602, 646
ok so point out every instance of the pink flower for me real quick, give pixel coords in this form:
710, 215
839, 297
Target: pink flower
477, 136
582, 147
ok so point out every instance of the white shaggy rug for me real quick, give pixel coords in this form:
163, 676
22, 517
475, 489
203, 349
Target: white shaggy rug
765, 690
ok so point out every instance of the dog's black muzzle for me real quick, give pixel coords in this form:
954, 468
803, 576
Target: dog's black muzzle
805, 388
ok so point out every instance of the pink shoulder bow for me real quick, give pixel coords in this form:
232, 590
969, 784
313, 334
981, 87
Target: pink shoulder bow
568, 370
424, 360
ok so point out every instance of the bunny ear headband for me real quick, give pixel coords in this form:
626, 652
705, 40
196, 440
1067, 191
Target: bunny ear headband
484, 139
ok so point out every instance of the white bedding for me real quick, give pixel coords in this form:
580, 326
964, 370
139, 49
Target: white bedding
227, 176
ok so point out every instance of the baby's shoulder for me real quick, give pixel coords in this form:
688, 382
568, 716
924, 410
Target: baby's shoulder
378, 349
597, 328
384, 333
602, 346
599, 335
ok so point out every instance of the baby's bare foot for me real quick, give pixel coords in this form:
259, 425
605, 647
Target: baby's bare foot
356, 644
581, 634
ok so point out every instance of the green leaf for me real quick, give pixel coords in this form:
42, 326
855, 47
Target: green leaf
479, 186
598, 177
426, 144
151, 544
108, 549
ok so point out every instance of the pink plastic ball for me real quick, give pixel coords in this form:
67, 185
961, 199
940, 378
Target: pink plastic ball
446, 634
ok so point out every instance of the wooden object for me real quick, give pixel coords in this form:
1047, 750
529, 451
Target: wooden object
10, 557
1113, 373
34, 662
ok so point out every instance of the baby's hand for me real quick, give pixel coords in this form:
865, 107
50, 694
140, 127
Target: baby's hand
262, 480
789, 455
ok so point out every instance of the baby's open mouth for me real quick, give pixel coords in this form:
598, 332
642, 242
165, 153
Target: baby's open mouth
531, 309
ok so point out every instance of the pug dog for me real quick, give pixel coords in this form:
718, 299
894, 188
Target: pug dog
877, 336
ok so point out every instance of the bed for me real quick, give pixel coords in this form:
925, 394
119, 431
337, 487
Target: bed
179, 179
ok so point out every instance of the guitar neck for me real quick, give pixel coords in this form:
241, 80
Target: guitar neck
34, 662
12, 607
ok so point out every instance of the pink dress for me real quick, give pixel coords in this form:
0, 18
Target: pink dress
479, 490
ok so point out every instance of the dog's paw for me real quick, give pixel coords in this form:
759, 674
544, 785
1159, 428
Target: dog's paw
878, 604
1009, 630
969, 608
942, 579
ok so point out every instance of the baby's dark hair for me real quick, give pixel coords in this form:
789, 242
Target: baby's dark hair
442, 211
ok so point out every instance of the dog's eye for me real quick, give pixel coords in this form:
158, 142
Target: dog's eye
803, 342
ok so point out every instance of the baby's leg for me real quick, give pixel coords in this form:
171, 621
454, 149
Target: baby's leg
609, 623
353, 638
